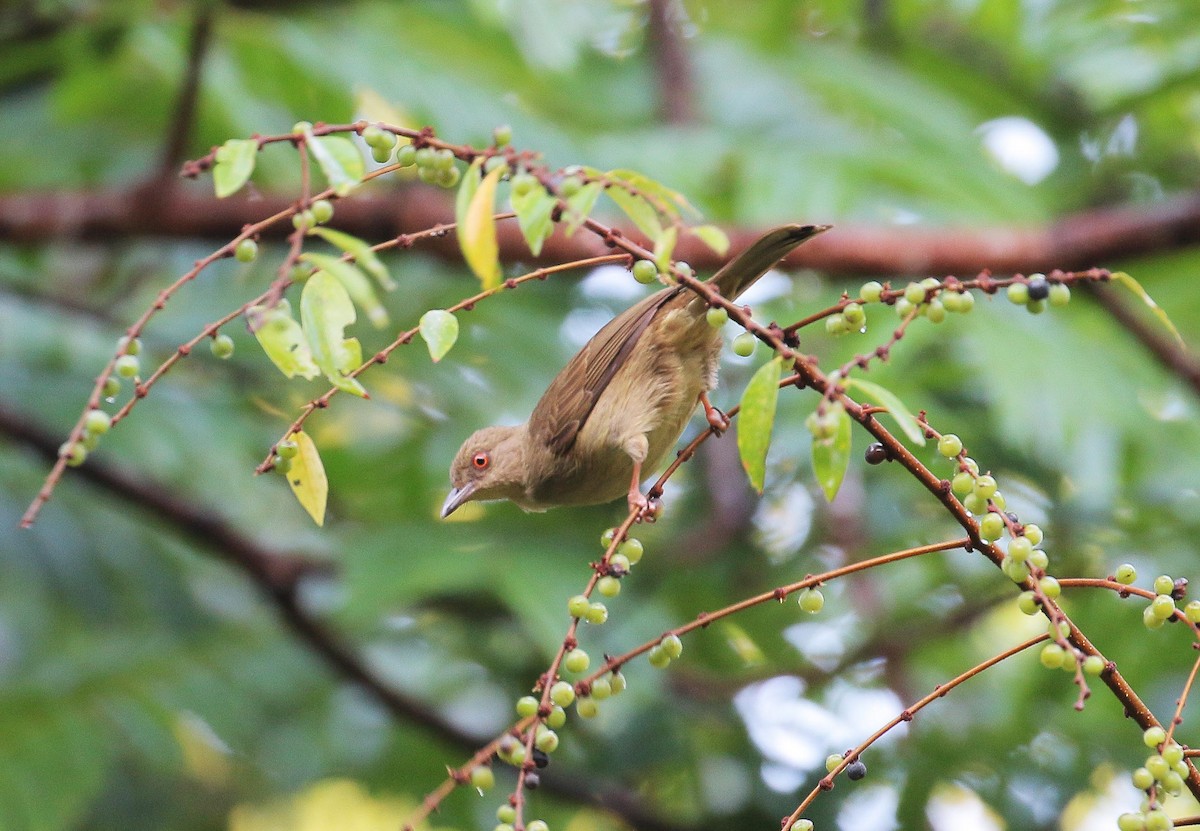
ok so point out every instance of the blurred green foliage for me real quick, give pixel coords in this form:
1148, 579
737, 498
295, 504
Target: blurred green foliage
146, 685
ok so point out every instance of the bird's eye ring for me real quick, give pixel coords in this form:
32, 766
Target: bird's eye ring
480, 461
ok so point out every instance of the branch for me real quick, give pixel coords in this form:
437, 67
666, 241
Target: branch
1078, 241
672, 70
184, 114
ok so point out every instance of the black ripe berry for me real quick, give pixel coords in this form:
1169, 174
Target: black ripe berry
1039, 287
540, 757
532, 780
856, 770
876, 453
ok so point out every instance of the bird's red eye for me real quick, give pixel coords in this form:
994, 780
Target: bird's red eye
481, 461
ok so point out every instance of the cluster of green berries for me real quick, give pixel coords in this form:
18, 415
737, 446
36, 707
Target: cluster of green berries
929, 298
285, 452
382, 142
97, 422
1057, 656
824, 421
435, 166
317, 213
506, 815
851, 318
1035, 292
1165, 769
1162, 607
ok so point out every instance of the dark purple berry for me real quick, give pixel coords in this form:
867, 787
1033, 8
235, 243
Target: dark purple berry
533, 780
856, 770
1039, 287
876, 453
540, 757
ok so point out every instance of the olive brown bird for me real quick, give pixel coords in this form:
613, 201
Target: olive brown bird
620, 405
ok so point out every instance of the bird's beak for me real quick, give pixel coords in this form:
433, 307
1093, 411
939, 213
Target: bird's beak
456, 498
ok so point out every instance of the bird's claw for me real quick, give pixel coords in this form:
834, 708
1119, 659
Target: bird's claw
717, 420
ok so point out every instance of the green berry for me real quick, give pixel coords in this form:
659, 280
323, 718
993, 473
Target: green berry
1039, 559
287, 449
855, 316
1035, 307
1015, 569
502, 135
1154, 736
382, 155
322, 211
1126, 574
1053, 656
1060, 295
524, 183
428, 174
128, 346
127, 366
570, 186
221, 346
601, 689
1172, 754
959, 302
303, 220
483, 778
871, 292
832, 761
744, 344
950, 445
97, 422
557, 717
1158, 820
672, 645
645, 271
506, 814
246, 251
1192, 611
90, 441
716, 316
1141, 778
836, 324
985, 486
587, 708
597, 613
1173, 783
619, 564
991, 526
802, 825
281, 465
516, 756
562, 693
527, 706
1027, 603
903, 307
537, 825
1163, 606
1018, 293
1151, 620
935, 311
1050, 587
576, 661
1131, 822
811, 600
608, 586
378, 137
1033, 533
75, 453
607, 537
1020, 548
975, 503
448, 178
546, 741
301, 127
578, 606
112, 387
406, 156
617, 683
632, 549
962, 483
971, 465
1157, 766
426, 157
658, 657
998, 500
1163, 584
914, 293
504, 826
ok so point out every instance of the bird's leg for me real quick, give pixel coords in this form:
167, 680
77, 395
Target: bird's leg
637, 500
716, 419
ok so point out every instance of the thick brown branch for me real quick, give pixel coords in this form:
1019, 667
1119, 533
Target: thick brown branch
673, 72
1096, 237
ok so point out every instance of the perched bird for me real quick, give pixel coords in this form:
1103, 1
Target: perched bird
620, 405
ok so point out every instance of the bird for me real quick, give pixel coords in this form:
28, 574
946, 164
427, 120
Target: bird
620, 405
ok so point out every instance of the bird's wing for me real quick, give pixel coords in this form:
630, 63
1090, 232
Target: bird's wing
572, 395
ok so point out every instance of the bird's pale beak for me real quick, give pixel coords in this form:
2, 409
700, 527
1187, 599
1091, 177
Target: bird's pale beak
456, 498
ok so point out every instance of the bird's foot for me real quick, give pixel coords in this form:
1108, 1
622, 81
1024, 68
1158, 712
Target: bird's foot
638, 503
717, 420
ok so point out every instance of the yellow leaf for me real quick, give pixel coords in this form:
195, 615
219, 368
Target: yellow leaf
307, 477
339, 804
477, 233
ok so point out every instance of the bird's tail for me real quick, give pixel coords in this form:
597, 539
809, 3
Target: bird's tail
741, 272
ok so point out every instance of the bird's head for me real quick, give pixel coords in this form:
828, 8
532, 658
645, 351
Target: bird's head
491, 464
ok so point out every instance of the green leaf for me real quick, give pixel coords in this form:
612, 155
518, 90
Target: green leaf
1136, 287
235, 161
281, 337
356, 284
664, 247
307, 477
713, 237
831, 457
756, 420
579, 206
339, 159
325, 311
439, 328
477, 229
888, 400
361, 251
533, 210
668, 200
638, 210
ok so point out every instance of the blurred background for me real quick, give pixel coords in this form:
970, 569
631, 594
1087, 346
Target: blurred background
180, 648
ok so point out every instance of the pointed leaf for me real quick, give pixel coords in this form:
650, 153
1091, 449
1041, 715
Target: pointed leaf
533, 209
713, 237
664, 247
307, 477
235, 161
356, 284
1136, 287
361, 251
339, 159
466, 191
668, 200
325, 311
831, 456
477, 231
281, 337
895, 407
756, 420
638, 210
580, 204
439, 328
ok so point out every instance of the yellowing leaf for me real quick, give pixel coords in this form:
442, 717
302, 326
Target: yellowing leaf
533, 209
356, 284
895, 407
664, 247
325, 311
742, 644
307, 477
477, 228
713, 237
282, 339
1136, 287
439, 328
756, 420
831, 456
235, 161
361, 251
